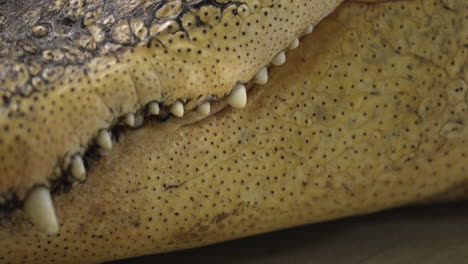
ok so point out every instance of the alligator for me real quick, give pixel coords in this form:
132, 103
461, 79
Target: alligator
138, 127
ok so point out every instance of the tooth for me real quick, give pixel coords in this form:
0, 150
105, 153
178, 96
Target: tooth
308, 29
177, 109
279, 59
104, 139
261, 77
153, 108
238, 97
78, 169
40, 210
139, 119
204, 108
129, 120
294, 44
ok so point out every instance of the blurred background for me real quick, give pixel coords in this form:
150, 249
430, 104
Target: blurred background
419, 234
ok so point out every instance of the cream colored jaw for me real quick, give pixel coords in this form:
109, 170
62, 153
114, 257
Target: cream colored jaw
39, 206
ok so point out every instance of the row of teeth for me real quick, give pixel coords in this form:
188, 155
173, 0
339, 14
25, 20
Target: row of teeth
38, 205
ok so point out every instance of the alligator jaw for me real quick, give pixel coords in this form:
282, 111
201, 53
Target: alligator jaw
89, 70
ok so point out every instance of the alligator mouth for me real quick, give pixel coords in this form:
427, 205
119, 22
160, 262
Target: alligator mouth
38, 202
172, 29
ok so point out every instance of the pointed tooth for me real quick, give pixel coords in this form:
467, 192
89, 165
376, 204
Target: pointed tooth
279, 59
308, 29
177, 109
40, 210
129, 120
294, 44
238, 97
153, 108
261, 77
104, 139
204, 108
78, 169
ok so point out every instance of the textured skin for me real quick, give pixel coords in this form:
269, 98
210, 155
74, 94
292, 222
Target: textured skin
369, 113
69, 68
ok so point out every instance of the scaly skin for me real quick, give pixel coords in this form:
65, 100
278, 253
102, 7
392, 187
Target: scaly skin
69, 68
369, 113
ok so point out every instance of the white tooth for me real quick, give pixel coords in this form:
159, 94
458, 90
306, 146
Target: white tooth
40, 210
129, 120
78, 169
261, 77
294, 44
308, 29
177, 109
153, 108
104, 139
279, 59
204, 108
238, 97
139, 119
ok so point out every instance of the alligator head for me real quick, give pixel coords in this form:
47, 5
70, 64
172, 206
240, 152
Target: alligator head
369, 113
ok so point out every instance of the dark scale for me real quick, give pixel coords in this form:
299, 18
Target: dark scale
59, 28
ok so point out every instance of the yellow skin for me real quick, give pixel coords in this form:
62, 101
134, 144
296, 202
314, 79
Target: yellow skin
369, 113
